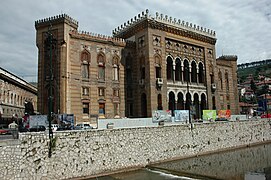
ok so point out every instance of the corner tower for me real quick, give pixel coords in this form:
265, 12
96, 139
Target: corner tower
59, 27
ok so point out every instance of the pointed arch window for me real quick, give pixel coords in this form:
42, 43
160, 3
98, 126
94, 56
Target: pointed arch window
178, 70
142, 68
85, 61
194, 72
101, 67
186, 71
158, 67
115, 68
201, 73
220, 80
169, 68
227, 81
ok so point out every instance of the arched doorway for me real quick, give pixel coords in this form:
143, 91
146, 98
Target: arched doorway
196, 106
143, 105
171, 102
188, 101
180, 102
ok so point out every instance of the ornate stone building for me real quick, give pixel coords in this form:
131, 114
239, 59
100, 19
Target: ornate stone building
150, 63
15, 94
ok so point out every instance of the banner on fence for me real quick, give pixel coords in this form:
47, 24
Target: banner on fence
161, 115
209, 114
224, 114
181, 116
35, 120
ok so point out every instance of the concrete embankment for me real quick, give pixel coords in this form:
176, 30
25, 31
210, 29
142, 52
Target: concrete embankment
94, 152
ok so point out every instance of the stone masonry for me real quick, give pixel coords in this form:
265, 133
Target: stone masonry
93, 152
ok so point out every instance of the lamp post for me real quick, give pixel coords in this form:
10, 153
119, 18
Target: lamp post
266, 106
50, 36
188, 100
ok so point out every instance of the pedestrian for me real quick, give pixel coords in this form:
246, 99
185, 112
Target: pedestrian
13, 127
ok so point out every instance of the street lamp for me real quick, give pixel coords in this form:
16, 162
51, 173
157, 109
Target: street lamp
188, 100
50, 113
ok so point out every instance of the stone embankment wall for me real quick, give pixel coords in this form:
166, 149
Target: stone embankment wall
87, 153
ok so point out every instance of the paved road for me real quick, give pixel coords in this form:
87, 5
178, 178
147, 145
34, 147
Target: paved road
5, 136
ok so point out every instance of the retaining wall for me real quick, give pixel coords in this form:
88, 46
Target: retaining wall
86, 153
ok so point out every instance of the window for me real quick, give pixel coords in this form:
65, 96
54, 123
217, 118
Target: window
86, 108
85, 60
169, 68
159, 102
143, 72
101, 108
85, 91
220, 80
116, 93
228, 106
115, 69
158, 68
116, 109
101, 91
101, 68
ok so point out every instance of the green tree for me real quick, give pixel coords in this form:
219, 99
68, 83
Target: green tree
253, 86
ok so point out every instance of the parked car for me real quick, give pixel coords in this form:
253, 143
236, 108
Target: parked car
55, 127
4, 131
37, 128
266, 115
83, 126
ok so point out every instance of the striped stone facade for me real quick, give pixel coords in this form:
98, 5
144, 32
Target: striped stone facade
150, 63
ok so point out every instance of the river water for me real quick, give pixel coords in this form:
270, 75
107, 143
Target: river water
252, 163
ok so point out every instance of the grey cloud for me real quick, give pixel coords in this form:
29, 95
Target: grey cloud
242, 27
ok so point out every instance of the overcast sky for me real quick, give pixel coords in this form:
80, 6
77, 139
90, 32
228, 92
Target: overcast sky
243, 27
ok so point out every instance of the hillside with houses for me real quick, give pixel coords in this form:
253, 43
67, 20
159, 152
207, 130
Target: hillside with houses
254, 84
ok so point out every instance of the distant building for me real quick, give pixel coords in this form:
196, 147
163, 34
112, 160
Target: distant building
150, 63
15, 95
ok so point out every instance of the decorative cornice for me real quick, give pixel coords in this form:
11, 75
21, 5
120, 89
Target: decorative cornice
166, 24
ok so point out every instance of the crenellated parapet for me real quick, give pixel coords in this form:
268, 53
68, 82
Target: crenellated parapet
163, 20
57, 19
97, 37
228, 57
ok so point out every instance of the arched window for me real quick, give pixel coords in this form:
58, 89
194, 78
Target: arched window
101, 67
227, 81
220, 80
180, 102
188, 101
85, 60
169, 68
143, 105
115, 68
158, 67
194, 72
171, 102
178, 70
142, 68
159, 102
186, 71
201, 73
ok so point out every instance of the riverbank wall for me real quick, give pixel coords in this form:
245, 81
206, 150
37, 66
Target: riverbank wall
93, 152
